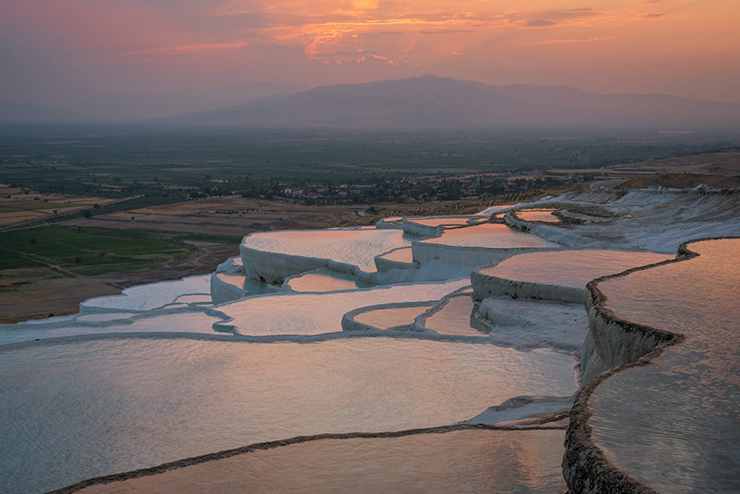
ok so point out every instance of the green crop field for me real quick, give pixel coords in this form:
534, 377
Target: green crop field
91, 251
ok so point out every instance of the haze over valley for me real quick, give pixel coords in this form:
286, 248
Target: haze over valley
427, 102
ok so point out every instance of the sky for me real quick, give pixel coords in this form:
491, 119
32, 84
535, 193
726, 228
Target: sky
54, 52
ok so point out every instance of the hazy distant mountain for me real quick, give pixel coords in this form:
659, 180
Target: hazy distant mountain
170, 104
10, 112
623, 109
417, 102
434, 102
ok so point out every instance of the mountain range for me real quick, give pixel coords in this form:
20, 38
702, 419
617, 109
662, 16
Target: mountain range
431, 102
427, 102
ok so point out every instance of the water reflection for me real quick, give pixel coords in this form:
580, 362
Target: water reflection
324, 280
541, 215
675, 425
357, 247
572, 268
490, 236
400, 255
446, 220
477, 461
457, 317
140, 402
392, 317
320, 313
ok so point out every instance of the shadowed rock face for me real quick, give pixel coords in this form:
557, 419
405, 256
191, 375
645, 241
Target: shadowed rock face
668, 423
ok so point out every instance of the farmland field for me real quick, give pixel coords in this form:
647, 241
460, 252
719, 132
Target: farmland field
50, 269
89, 251
116, 161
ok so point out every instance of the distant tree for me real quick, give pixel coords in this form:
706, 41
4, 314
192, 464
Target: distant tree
78, 260
87, 214
33, 241
96, 206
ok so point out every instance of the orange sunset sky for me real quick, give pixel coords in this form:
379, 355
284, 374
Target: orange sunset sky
53, 51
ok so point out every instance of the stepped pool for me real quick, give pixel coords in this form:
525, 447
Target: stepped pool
456, 317
449, 221
349, 246
82, 409
541, 215
403, 254
321, 313
490, 236
471, 461
556, 275
570, 268
391, 317
293, 350
675, 424
324, 280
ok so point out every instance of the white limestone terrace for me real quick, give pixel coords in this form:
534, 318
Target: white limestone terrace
274, 256
665, 418
456, 314
179, 322
144, 298
537, 215
136, 403
321, 281
390, 223
226, 287
527, 324
385, 317
524, 461
489, 236
230, 282
503, 321
525, 409
306, 314
505, 208
477, 245
642, 219
555, 275
368, 253
401, 258
131, 379
431, 226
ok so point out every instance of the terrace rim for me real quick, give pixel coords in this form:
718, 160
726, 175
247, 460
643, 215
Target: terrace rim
585, 466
